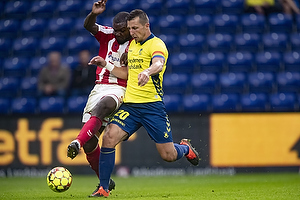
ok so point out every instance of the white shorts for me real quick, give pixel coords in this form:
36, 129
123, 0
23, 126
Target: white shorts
99, 92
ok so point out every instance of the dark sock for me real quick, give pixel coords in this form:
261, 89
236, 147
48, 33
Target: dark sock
181, 150
106, 165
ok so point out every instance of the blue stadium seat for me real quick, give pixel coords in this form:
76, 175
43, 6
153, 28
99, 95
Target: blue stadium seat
35, 65
71, 61
171, 42
9, 86
70, 8
152, 7
87, 7
232, 82
261, 82
253, 23
76, 104
239, 61
254, 102
34, 27
219, 42
191, 43
175, 83
225, 102
16, 9
24, 105
9, 28
29, 86
204, 82
247, 42
297, 23
5, 105
78, 43
225, 23
25, 46
288, 81
182, 62
232, 6
268, 61
60, 26
43, 8
52, 44
170, 24
211, 62
197, 102
79, 28
295, 41
122, 5
207, 6
275, 42
283, 102
155, 29
173, 102
5, 47
178, 7
198, 24
106, 21
291, 61
54, 105
279, 22
15, 67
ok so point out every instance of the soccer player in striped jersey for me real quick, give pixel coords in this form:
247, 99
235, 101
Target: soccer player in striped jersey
108, 92
143, 102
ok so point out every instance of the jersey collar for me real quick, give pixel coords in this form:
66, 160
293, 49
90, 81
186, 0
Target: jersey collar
150, 37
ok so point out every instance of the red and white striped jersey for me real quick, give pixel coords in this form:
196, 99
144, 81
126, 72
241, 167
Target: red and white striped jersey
111, 51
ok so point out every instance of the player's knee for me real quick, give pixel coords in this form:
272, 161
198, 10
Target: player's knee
109, 140
168, 156
104, 108
90, 145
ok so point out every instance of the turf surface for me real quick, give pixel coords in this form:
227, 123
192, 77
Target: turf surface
238, 187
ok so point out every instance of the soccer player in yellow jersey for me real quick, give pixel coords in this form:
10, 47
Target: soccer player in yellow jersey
143, 103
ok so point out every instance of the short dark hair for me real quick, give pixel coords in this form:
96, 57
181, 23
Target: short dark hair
121, 17
138, 13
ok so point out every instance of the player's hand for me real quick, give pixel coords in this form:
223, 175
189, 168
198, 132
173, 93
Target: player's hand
143, 77
123, 59
97, 60
99, 7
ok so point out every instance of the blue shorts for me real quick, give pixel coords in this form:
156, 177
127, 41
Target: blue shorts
152, 116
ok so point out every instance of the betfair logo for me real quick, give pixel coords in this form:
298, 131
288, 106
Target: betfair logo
166, 135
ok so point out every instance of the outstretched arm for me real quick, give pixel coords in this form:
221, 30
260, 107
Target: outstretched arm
120, 72
90, 20
155, 68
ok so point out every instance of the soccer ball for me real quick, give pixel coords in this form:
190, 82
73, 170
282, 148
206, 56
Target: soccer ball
59, 179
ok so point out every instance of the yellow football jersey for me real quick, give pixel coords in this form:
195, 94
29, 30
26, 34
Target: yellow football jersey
140, 58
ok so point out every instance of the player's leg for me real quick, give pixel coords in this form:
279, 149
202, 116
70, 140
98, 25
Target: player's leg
157, 124
112, 136
172, 151
102, 102
123, 124
92, 150
102, 109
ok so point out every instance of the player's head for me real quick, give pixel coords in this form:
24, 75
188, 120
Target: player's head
138, 25
120, 27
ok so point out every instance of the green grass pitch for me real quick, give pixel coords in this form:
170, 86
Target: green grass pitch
215, 187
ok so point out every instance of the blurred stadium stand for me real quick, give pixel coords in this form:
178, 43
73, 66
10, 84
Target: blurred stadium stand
221, 58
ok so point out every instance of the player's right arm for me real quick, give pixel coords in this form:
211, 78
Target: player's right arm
90, 20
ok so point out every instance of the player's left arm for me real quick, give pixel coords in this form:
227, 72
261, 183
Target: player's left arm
155, 68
